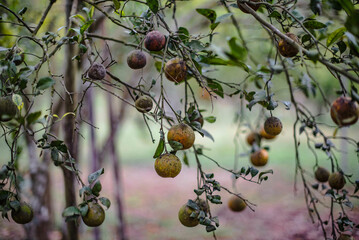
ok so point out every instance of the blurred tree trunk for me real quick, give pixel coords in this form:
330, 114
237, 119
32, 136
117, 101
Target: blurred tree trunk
94, 155
70, 136
121, 227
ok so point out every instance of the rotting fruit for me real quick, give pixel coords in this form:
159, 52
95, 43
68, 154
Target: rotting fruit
184, 215
95, 215
336, 180
168, 165
344, 111
259, 158
273, 126
8, 109
23, 215
236, 204
136, 59
253, 6
97, 71
175, 70
155, 41
321, 174
144, 104
265, 135
286, 49
181, 133
252, 138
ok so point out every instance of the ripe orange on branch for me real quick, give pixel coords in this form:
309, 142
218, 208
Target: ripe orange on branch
344, 111
236, 204
176, 70
285, 48
155, 41
181, 133
273, 126
259, 158
168, 165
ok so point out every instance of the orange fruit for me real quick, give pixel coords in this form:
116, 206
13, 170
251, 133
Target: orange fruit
181, 133
259, 158
344, 111
336, 180
168, 165
236, 204
285, 48
273, 126
97, 71
23, 215
252, 138
136, 59
95, 215
144, 104
253, 6
184, 216
155, 41
321, 174
8, 109
176, 70
265, 135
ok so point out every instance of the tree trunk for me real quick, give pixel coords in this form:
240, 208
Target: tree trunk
70, 138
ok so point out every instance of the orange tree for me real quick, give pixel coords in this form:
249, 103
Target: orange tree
303, 36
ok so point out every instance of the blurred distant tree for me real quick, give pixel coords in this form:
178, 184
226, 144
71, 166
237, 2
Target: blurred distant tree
303, 36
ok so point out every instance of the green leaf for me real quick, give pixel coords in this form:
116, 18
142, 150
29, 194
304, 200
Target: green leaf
183, 34
45, 83
17, 99
105, 201
216, 87
175, 145
83, 209
116, 4
314, 24
96, 189
238, 51
94, 176
71, 211
208, 13
86, 26
210, 119
347, 5
185, 159
153, 5
32, 117
254, 172
223, 17
275, 14
352, 23
160, 148
15, 205
335, 36
55, 154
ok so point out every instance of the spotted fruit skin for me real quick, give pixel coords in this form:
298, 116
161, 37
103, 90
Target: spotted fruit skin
321, 174
24, 215
255, 7
184, 216
259, 158
344, 111
97, 71
168, 165
236, 204
273, 126
8, 109
336, 180
176, 70
265, 135
144, 104
136, 59
155, 41
95, 215
285, 48
181, 133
